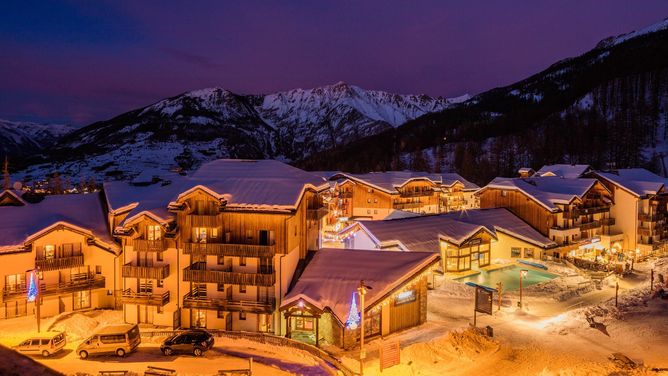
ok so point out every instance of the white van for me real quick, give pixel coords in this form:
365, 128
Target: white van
42, 344
112, 339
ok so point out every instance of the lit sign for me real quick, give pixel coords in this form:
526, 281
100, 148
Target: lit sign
405, 297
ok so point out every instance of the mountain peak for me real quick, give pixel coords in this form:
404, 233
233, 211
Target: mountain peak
611, 41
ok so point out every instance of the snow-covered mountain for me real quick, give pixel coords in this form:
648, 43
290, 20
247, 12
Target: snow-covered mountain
24, 138
205, 124
607, 107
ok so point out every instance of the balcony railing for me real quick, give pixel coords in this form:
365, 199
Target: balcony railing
346, 194
427, 192
90, 282
150, 272
130, 297
318, 213
607, 221
407, 205
644, 231
572, 214
594, 209
196, 273
226, 249
202, 220
650, 217
141, 245
56, 263
265, 305
590, 225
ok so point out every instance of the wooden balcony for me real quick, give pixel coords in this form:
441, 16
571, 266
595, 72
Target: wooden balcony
91, 281
141, 245
406, 205
265, 305
196, 273
55, 263
590, 225
317, 214
130, 297
651, 217
202, 220
594, 209
644, 231
348, 194
607, 221
572, 214
228, 249
150, 272
425, 193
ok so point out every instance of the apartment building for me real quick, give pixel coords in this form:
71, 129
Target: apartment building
571, 212
378, 195
63, 247
221, 246
640, 210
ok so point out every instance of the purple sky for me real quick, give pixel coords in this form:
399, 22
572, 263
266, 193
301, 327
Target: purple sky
81, 62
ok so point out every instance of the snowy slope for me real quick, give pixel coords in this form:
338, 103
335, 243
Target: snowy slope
211, 123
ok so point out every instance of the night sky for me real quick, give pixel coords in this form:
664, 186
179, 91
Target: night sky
76, 63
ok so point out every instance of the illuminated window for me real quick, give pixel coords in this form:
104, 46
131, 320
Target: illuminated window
49, 251
199, 234
515, 252
153, 233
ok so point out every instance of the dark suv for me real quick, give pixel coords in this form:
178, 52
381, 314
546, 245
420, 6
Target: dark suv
195, 342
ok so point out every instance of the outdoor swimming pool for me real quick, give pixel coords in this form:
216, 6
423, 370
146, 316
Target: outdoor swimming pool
510, 276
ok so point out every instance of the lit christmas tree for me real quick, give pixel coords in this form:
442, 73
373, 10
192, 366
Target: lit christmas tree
32, 288
353, 315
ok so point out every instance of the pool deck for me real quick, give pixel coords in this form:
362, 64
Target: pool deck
488, 268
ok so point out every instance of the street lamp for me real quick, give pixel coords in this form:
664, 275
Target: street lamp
523, 274
362, 290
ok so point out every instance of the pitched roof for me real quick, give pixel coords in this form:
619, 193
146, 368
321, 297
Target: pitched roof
249, 184
546, 190
422, 233
13, 196
82, 211
330, 279
638, 181
389, 181
566, 171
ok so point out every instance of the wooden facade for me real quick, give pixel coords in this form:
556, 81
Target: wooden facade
566, 223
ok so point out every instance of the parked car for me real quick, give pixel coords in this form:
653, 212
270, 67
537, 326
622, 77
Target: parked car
195, 342
112, 339
45, 344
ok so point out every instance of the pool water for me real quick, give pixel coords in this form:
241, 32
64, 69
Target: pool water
510, 276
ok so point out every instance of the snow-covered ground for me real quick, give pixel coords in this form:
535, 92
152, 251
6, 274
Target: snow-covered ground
551, 336
226, 353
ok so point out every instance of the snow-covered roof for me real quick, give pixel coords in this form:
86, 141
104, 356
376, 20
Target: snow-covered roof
423, 233
247, 184
389, 181
332, 276
15, 196
566, 171
83, 212
546, 190
638, 181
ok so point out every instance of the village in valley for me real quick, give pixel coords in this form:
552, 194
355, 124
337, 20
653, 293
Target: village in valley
346, 188
555, 271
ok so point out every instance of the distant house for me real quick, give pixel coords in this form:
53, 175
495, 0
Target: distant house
526, 172
566, 171
640, 210
464, 240
317, 309
66, 241
377, 195
571, 212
